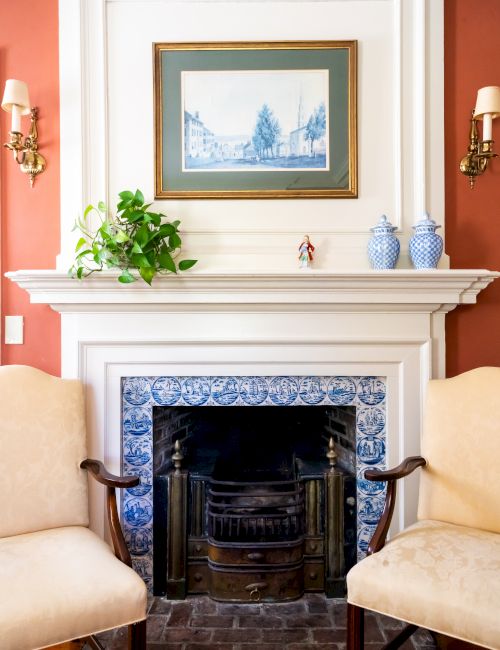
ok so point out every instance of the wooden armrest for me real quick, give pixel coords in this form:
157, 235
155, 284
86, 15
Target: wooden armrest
405, 468
390, 476
101, 474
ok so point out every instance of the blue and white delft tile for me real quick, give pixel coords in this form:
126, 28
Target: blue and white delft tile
143, 566
283, 391
225, 390
342, 390
253, 390
137, 451
370, 510
166, 391
368, 488
195, 390
146, 484
365, 533
138, 511
371, 390
139, 540
137, 420
370, 450
312, 390
136, 390
370, 421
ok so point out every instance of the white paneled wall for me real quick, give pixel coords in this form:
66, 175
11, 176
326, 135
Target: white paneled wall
108, 133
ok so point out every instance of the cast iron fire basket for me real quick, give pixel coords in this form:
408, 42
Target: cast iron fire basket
255, 511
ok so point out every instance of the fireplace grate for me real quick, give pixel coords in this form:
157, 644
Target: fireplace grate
255, 511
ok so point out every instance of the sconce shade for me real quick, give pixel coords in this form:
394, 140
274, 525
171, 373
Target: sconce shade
488, 101
16, 92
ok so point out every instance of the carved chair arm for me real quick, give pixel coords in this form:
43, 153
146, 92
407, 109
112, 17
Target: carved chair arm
100, 474
390, 476
405, 468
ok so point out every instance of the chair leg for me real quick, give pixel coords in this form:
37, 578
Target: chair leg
137, 636
355, 627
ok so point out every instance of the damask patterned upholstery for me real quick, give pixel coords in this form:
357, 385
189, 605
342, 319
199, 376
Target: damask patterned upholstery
58, 580
42, 433
443, 573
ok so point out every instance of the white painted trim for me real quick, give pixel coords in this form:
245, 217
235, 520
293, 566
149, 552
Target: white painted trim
417, 150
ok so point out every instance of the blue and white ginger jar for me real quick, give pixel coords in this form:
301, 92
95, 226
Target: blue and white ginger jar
426, 245
383, 247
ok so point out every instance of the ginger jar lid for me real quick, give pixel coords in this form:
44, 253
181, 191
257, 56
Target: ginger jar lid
426, 224
384, 226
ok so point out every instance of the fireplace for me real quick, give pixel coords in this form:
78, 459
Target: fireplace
248, 502
331, 324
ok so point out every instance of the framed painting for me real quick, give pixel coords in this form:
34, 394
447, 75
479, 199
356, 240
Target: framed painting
255, 120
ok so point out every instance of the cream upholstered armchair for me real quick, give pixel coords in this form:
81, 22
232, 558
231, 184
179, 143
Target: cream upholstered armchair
58, 580
442, 573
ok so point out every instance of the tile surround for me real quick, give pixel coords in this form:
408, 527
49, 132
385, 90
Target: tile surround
140, 394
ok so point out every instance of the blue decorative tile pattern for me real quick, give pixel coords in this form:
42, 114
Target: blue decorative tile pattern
140, 394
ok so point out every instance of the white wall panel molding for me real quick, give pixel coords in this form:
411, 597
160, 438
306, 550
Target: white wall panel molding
107, 122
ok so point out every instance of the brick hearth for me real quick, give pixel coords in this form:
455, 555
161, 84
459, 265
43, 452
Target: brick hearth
311, 623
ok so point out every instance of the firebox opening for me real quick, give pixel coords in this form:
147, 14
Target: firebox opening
247, 505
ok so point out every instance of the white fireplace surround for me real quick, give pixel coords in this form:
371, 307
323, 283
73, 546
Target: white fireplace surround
381, 323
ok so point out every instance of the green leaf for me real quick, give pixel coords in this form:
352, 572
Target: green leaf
166, 230
136, 248
166, 262
126, 195
175, 241
154, 218
84, 253
184, 265
139, 198
139, 260
126, 277
176, 224
101, 206
147, 274
79, 272
81, 242
142, 236
133, 215
88, 209
121, 236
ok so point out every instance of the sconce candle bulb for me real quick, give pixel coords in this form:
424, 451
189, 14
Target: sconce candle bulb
16, 101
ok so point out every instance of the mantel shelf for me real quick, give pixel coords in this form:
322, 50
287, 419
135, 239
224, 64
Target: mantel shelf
311, 290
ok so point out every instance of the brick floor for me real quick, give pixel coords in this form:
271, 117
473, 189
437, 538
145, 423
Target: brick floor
311, 623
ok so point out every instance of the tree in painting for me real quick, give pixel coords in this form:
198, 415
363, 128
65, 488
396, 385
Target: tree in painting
267, 131
316, 126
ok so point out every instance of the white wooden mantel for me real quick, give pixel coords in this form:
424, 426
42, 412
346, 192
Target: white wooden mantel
431, 291
381, 323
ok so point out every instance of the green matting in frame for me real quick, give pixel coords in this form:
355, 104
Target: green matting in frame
255, 120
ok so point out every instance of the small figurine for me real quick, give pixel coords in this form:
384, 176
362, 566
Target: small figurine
306, 250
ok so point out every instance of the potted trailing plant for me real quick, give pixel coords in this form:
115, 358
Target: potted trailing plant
133, 239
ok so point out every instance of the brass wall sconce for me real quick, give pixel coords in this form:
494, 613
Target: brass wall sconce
16, 101
479, 152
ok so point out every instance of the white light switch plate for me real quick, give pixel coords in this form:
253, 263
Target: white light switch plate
14, 330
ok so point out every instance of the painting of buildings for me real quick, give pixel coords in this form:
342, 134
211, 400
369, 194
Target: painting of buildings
255, 120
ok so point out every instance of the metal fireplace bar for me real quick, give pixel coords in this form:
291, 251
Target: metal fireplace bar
270, 510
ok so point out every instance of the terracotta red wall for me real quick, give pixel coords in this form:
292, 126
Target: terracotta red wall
472, 60
30, 217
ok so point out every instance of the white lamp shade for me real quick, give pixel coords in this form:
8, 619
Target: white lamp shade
488, 101
16, 92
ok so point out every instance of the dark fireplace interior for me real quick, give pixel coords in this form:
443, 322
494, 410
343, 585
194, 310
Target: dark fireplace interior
250, 503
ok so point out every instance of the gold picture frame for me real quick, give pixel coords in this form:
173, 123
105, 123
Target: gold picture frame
195, 158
